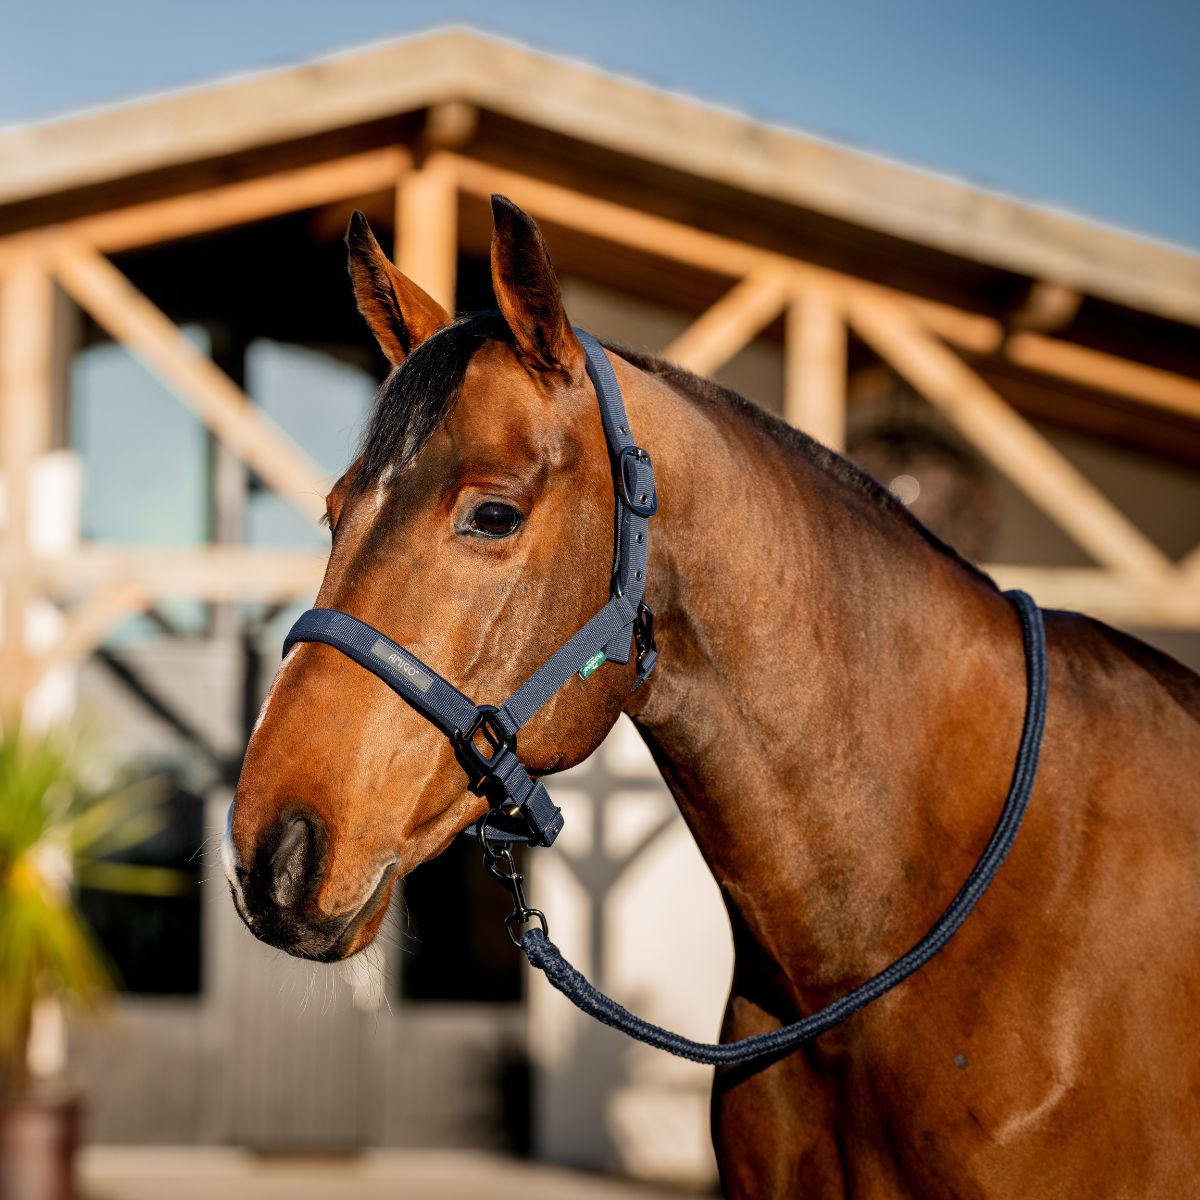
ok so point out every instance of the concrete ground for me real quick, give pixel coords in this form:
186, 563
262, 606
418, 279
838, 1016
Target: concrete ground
218, 1173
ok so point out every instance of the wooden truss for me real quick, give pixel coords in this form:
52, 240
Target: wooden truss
97, 586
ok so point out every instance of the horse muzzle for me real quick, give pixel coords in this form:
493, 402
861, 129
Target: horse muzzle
275, 893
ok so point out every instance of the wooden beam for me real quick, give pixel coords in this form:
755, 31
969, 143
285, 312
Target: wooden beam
732, 322
969, 331
450, 125
239, 203
815, 383
144, 575
91, 620
712, 252
577, 102
376, 170
1106, 373
100, 288
664, 238
1047, 307
427, 228
1005, 438
604, 219
1189, 565
974, 332
1172, 603
217, 574
26, 398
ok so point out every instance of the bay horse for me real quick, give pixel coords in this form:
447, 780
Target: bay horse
836, 709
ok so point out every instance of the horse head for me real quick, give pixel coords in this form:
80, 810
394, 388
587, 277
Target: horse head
475, 528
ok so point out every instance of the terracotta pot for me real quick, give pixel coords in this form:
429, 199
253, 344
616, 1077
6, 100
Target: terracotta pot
38, 1136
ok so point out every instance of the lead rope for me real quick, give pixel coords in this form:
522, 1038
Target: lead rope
545, 955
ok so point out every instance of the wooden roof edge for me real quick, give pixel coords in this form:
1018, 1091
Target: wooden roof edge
595, 106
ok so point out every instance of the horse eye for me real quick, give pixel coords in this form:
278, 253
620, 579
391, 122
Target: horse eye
495, 520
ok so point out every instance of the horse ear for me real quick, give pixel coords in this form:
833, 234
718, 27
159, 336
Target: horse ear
401, 315
528, 294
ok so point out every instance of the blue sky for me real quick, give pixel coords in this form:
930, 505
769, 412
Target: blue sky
1088, 105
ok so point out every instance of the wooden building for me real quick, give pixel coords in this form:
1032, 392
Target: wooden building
1030, 381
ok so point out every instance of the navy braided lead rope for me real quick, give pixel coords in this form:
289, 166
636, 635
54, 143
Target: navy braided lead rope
543, 954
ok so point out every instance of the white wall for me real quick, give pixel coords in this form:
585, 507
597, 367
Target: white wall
632, 905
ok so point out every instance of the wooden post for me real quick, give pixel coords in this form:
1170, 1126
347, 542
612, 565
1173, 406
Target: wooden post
427, 228
815, 387
26, 401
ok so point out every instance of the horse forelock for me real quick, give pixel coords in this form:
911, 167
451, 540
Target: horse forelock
420, 394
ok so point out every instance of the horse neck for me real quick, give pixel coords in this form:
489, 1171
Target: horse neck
837, 700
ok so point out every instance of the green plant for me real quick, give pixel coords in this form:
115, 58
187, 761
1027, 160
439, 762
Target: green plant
57, 830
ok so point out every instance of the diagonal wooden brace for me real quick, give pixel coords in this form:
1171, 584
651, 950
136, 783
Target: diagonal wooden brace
134, 321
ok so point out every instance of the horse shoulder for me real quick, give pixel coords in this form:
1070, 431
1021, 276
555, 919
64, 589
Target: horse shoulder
1051, 1044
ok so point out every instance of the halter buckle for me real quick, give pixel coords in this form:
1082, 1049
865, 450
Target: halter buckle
643, 635
641, 504
479, 765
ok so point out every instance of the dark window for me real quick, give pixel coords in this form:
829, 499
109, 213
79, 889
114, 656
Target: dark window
153, 942
451, 923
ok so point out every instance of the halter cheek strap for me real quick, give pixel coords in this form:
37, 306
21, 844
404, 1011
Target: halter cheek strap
485, 735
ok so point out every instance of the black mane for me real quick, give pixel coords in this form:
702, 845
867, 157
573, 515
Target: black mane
419, 395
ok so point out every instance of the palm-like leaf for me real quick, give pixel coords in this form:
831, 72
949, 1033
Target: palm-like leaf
54, 832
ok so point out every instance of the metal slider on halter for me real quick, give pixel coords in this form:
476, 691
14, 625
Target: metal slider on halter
485, 735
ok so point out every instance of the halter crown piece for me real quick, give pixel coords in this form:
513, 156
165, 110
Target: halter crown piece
485, 735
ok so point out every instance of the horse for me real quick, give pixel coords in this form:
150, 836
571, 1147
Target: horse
836, 708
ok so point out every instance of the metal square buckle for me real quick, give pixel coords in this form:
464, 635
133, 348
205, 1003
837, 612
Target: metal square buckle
641, 504
478, 764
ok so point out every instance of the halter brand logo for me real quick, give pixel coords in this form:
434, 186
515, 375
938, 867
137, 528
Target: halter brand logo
592, 663
409, 670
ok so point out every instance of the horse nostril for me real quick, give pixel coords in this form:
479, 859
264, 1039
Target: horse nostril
293, 862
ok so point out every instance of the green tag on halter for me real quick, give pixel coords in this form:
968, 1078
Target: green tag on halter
592, 663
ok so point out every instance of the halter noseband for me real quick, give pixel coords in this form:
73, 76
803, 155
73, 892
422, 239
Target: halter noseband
522, 809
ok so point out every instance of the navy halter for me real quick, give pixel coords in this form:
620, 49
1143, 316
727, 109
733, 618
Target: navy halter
485, 735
